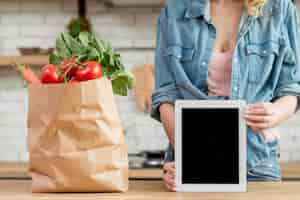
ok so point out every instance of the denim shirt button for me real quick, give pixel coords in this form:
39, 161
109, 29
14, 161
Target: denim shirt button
235, 89
203, 63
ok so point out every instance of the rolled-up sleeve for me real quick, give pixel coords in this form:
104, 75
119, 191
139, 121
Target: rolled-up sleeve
289, 79
166, 90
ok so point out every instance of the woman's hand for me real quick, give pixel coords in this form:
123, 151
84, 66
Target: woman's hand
169, 176
267, 115
262, 116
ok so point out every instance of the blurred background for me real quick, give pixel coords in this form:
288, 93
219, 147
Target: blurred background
28, 29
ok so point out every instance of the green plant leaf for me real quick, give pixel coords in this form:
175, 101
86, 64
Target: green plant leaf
73, 45
75, 28
55, 59
62, 49
86, 46
122, 81
93, 54
84, 38
98, 44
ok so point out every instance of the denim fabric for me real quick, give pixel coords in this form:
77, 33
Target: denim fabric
265, 61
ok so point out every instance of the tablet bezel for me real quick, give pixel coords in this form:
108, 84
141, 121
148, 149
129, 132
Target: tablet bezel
240, 105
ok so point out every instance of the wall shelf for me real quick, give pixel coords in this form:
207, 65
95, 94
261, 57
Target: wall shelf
40, 60
37, 60
133, 3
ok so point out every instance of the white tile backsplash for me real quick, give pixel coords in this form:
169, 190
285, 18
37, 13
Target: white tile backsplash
8, 31
23, 18
41, 31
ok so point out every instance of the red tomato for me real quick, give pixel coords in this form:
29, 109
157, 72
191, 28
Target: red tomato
70, 66
50, 75
72, 72
91, 70
61, 79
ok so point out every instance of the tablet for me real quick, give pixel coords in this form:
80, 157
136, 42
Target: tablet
210, 146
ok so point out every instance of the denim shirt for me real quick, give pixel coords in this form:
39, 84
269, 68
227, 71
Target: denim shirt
265, 62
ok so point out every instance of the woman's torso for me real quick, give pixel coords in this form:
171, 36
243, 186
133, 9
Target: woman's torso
219, 74
227, 28
260, 40
260, 52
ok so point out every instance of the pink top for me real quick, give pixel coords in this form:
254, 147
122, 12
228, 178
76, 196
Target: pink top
219, 74
219, 80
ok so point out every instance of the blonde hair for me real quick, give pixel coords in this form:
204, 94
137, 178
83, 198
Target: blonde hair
254, 7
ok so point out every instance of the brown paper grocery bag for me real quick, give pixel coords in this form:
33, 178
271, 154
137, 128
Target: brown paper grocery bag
75, 138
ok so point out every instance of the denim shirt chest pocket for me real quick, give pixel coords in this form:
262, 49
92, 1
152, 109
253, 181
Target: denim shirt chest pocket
182, 58
260, 60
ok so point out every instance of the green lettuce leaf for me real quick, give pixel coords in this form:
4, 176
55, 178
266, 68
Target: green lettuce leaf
86, 46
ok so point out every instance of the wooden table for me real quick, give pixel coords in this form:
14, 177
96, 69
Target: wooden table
20, 190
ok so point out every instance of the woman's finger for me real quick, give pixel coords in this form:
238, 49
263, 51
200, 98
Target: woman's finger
169, 167
169, 182
264, 107
255, 129
258, 118
258, 125
169, 179
171, 174
258, 111
166, 180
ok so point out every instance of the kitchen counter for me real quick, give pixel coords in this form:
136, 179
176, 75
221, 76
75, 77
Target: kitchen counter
20, 170
141, 187
147, 189
290, 171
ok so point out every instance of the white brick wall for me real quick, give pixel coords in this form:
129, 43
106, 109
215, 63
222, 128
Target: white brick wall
36, 23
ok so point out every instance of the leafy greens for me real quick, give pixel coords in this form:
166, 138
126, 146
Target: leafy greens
87, 47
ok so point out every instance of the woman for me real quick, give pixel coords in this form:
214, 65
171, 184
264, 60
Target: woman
230, 49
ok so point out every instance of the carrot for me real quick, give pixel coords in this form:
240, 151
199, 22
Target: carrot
27, 73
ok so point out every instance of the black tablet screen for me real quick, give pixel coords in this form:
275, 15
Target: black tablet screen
210, 143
